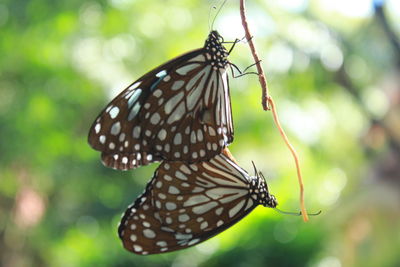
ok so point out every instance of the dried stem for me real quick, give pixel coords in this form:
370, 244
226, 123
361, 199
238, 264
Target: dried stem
260, 71
295, 157
267, 102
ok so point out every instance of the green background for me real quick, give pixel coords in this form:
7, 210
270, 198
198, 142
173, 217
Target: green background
332, 68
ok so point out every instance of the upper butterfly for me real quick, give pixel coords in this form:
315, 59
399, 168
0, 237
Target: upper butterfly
181, 111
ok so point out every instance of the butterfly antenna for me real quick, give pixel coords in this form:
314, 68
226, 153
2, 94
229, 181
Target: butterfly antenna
255, 168
209, 17
297, 213
216, 15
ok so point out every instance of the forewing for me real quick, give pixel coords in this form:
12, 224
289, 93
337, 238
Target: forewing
194, 125
179, 111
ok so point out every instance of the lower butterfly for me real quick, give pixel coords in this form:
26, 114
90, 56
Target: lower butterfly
181, 110
185, 204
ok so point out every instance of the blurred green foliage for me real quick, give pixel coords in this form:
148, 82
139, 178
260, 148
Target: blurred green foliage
333, 71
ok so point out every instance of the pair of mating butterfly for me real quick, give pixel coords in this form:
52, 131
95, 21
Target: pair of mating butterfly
180, 114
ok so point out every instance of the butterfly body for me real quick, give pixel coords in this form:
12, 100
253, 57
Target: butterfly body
185, 204
181, 110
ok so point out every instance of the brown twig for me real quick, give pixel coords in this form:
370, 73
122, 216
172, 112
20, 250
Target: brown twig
261, 75
267, 102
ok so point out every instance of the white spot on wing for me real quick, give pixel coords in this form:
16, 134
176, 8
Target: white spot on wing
183, 218
155, 118
199, 135
203, 225
214, 146
161, 243
97, 128
134, 97
135, 85
133, 238
173, 190
180, 236
178, 139
157, 93
211, 131
116, 128
134, 111
167, 148
136, 132
114, 112
121, 137
219, 211
170, 206
185, 169
180, 175
193, 241
161, 74
149, 233
137, 248
162, 134
193, 137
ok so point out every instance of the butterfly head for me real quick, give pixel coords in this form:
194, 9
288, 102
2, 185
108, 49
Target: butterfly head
217, 52
265, 198
261, 190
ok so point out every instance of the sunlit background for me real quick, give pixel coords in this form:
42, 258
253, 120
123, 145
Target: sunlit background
333, 68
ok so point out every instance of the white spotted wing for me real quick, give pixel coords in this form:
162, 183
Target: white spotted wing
185, 204
179, 111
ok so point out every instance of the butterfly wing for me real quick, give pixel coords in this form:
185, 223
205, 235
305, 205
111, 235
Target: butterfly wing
179, 111
186, 204
141, 230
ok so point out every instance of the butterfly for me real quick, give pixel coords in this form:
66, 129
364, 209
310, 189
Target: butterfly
185, 204
179, 111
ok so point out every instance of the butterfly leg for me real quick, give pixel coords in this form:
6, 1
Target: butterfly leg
246, 41
244, 72
235, 42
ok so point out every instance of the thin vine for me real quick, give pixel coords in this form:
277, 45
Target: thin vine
268, 104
